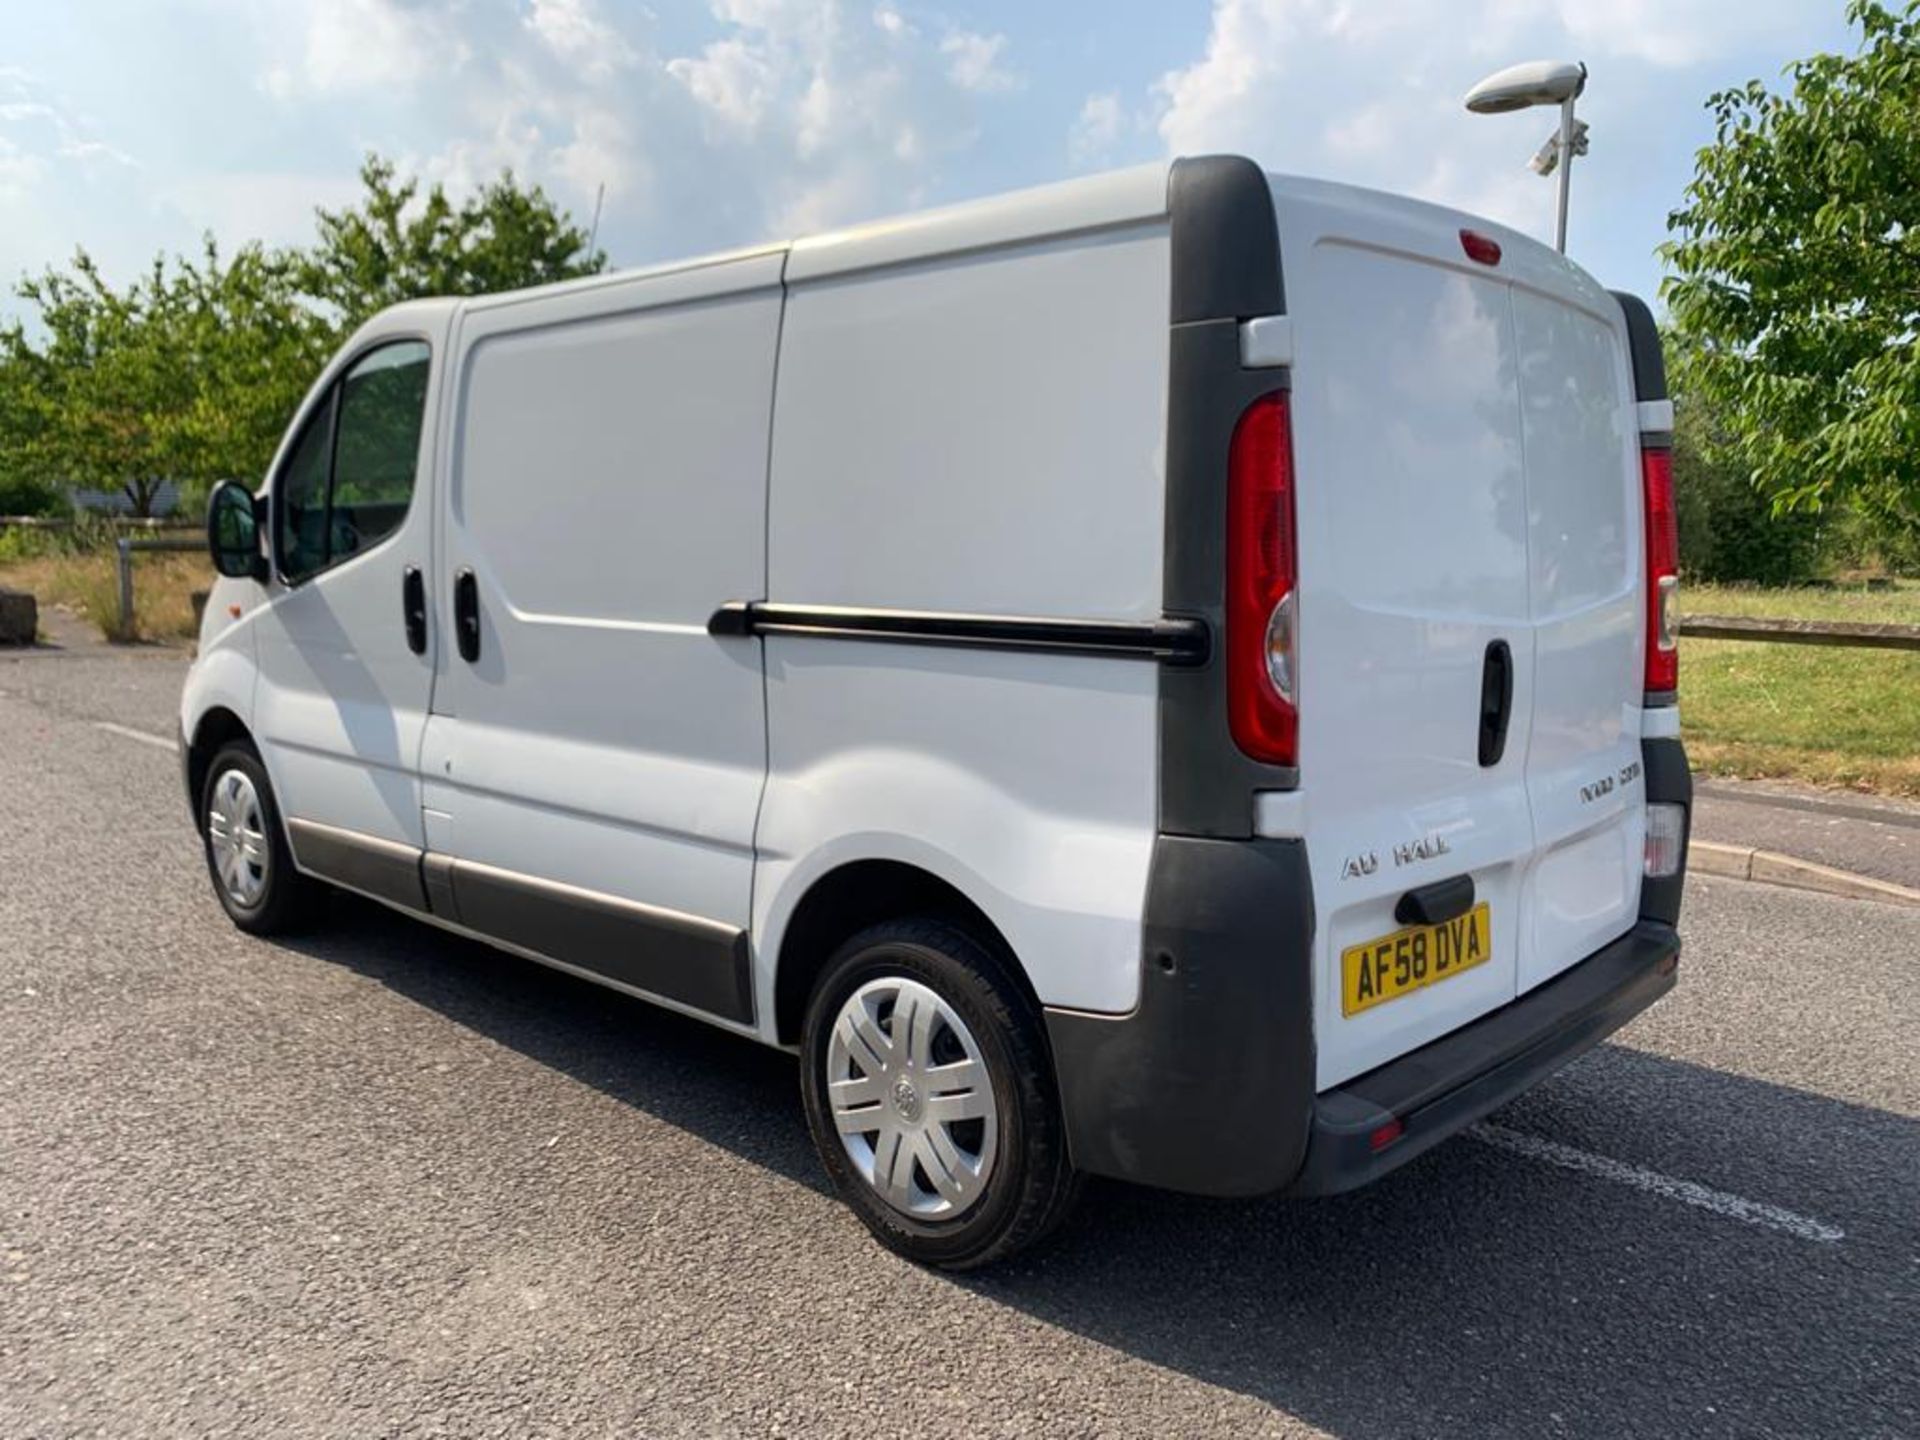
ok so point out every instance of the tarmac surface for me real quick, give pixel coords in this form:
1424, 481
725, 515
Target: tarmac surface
384, 1181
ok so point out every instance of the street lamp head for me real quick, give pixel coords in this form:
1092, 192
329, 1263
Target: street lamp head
1532, 82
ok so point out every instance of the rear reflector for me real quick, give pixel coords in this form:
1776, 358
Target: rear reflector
1666, 839
1482, 248
1663, 573
1261, 652
1386, 1135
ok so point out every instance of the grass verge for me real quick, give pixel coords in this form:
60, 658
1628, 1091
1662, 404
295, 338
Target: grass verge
88, 583
1896, 602
1813, 713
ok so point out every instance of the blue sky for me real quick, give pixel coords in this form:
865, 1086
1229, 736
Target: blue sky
129, 126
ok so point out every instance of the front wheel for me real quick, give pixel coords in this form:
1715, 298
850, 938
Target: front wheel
931, 1099
246, 847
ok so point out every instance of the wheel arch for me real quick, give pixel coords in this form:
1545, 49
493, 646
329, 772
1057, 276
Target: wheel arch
218, 726
861, 893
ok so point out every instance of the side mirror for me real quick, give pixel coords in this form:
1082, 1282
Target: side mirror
233, 532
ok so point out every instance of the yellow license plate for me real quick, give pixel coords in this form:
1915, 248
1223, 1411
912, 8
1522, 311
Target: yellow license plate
1412, 959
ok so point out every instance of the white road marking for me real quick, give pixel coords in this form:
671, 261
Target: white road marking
1734, 1207
145, 737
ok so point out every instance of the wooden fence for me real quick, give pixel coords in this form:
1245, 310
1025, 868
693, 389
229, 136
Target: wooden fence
1801, 632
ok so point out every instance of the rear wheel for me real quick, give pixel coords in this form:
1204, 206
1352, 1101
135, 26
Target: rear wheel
931, 1098
246, 846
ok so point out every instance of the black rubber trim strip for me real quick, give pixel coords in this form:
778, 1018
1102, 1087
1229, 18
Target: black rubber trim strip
385, 869
1174, 641
436, 873
1643, 343
1443, 1087
1225, 240
697, 962
1226, 268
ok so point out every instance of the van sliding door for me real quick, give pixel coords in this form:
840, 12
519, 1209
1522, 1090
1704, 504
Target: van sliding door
595, 759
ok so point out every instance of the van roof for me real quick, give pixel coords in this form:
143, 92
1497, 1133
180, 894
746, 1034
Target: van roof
1077, 206
1092, 202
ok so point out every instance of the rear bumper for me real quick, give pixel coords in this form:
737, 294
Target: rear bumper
1207, 1086
1441, 1088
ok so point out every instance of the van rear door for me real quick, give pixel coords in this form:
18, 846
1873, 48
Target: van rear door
1466, 504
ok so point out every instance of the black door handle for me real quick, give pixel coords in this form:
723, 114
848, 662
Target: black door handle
1496, 702
413, 604
1437, 903
466, 615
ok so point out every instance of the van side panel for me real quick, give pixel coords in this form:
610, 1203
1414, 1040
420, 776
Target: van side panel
983, 434
606, 486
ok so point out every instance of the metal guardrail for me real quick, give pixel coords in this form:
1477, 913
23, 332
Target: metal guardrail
111, 522
127, 549
1801, 632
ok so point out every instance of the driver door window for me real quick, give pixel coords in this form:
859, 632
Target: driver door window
349, 480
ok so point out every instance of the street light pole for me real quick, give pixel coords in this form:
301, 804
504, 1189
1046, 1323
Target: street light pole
1541, 82
1566, 172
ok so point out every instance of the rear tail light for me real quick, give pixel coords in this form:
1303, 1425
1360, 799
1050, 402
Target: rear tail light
1666, 839
1262, 648
1663, 574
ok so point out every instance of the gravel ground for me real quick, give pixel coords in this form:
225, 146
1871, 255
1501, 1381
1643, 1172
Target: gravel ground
383, 1181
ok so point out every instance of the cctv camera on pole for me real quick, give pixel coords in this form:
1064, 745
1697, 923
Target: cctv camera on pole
1541, 82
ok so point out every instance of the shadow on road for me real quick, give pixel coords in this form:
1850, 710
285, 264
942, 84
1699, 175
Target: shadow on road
1477, 1292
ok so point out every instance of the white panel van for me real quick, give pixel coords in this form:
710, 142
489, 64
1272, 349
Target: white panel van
1167, 676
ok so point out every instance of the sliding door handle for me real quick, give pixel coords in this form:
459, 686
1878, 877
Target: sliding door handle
466, 615
413, 605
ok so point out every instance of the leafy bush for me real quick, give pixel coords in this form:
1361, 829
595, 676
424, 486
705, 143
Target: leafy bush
20, 495
1729, 530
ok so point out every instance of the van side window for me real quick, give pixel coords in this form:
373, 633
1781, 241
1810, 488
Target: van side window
377, 447
349, 479
300, 497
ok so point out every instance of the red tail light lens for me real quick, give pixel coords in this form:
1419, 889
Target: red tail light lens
1262, 659
1663, 573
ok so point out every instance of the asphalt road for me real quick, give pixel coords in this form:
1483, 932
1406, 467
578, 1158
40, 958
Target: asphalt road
385, 1182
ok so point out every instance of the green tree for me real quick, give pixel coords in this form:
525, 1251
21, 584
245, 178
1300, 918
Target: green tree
187, 374
1728, 528
398, 244
191, 372
1795, 283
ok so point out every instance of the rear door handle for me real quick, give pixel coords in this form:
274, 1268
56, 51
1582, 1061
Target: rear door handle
466, 615
1496, 701
413, 605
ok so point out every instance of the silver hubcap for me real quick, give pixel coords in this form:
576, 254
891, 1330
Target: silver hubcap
911, 1098
238, 836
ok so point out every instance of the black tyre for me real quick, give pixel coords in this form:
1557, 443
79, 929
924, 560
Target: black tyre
246, 846
930, 1095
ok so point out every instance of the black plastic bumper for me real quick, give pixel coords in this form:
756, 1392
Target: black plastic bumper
1442, 1087
1207, 1086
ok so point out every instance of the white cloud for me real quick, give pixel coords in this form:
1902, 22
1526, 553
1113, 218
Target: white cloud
358, 44
575, 32
974, 61
1371, 92
1097, 127
788, 114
